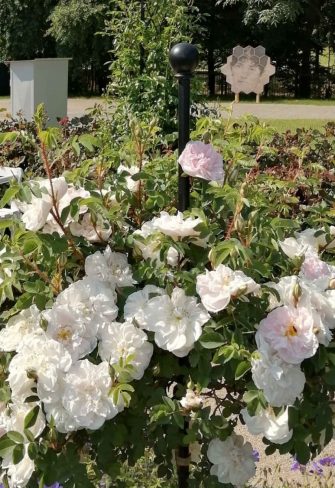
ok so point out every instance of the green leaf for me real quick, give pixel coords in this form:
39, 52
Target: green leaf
89, 142
170, 403
6, 223
302, 451
6, 445
211, 340
31, 417
330, 377
250, 395
18, 453
9, 195
30, 246
15, 437
179, 419
8, 137
242, 368
32, 450
29, 435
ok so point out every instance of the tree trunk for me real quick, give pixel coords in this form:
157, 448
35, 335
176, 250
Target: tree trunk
211, 71
305, 73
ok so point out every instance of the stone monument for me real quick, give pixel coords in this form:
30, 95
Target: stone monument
247, 70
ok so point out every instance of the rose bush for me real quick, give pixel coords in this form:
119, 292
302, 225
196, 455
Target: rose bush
127, 326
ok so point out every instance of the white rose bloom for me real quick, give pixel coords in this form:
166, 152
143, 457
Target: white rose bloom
281, 382
18, 474
216, 288
92, 233
86, 394
136, 303
4, 416
64, 422
18, 326
17, 414
36, 213
111, 267
176, 226
123, 340
132, 185
54, 409
176, 321
289, 290
151, 247
329, 309
51, 225
92, 301
305, 242
273, 428
232, 459
38, 357
294, 291
77, 334
191, 401
321, 330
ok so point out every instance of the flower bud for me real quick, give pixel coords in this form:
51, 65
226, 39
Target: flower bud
296, 294
332, 284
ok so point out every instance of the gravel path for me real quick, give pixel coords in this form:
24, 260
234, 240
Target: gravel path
78, 106
275, 470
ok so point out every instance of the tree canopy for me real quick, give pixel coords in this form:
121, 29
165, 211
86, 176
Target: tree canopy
294, 32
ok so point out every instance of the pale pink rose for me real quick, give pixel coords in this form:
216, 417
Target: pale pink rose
201, 160
314, 268
290, 332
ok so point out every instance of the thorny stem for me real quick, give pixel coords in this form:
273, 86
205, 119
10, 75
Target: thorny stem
54, 211
34, 267
240, 204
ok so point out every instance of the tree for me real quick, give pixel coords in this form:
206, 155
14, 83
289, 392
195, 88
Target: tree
269, 12
75, 25
305, 24
221, 29
23, 25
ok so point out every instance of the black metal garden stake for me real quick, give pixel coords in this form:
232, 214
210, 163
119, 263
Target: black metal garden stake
184, 59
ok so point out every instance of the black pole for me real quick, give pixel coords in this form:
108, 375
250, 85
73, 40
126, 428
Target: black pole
184, 59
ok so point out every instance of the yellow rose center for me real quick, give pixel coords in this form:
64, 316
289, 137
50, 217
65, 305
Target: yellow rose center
64, 334
291, 330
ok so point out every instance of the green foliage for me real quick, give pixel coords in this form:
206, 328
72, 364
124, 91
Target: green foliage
269, 12
75, 26
142, 81
274, 185
22, 29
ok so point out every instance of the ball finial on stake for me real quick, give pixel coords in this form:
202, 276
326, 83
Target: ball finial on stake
184, 58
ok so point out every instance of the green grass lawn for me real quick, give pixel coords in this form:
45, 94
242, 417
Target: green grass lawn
282, 125
283, 101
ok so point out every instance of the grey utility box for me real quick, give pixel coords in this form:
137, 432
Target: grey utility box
36, 81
